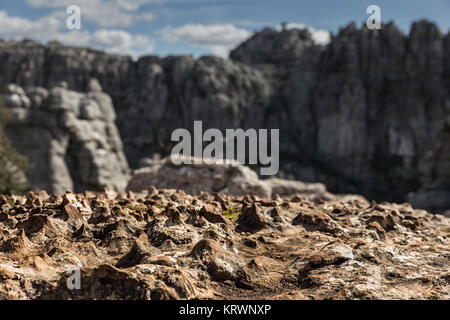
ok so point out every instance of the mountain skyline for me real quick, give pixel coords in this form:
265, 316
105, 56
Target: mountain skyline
197, 27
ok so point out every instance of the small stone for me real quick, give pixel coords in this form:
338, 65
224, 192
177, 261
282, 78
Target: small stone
250, 243
141, 249
3, 200
250, 219
385, 220
68, 198
315, 220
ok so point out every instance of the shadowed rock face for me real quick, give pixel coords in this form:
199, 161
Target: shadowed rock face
435, 193
374, 110
166, 244
69, 137
283, 49
363, 114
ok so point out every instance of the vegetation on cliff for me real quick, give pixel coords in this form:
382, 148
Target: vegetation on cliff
13, 166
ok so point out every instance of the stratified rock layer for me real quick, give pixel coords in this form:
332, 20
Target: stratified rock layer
70, 138
165, 244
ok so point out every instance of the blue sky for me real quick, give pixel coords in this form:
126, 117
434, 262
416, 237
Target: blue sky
198, 27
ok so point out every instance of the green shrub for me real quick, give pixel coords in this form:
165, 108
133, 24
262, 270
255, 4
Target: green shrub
13, 166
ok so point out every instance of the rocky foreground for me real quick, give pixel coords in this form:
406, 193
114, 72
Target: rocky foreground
166, 244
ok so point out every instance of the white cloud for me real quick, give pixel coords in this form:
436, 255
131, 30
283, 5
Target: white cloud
113, 41
219, 39
105, 13
53, 27
319, 36
119, 41
21, 27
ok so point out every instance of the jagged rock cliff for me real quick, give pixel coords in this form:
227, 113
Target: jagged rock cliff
69, 137
363, 114
368, 114
152, 96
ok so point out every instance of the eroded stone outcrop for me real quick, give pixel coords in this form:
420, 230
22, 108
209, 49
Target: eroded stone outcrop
70, 138
229, 178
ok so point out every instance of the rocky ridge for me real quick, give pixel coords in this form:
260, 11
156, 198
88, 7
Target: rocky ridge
233, 179
365, 114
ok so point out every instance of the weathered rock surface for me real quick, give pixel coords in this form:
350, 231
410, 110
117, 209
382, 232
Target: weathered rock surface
369, 111
435, 192
272, 47
152, 96
70, 138
234, 179
166, 244
363, 114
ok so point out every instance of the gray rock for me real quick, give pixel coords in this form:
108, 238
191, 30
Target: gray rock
69, 137
363, 115
94, 85
269, 46
434, 195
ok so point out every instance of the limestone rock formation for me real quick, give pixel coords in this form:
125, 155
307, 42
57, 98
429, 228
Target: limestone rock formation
366, 113
70, 138
166, 244
270, 47
233, 179
361, 115
152, 96
435, 192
